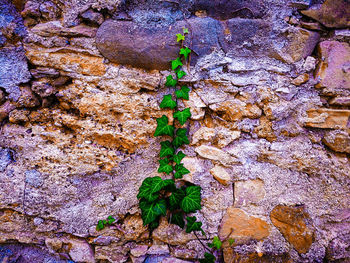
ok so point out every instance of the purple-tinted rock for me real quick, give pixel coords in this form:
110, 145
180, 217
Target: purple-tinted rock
331, 13
126, 42
223, 9
93, 17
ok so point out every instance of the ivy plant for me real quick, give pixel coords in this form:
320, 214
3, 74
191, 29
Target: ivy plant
174, 198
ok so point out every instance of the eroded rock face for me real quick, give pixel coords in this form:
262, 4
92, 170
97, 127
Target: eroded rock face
293, 223
331, 13
77, 141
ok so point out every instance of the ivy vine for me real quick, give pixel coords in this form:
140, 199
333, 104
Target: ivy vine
174, 198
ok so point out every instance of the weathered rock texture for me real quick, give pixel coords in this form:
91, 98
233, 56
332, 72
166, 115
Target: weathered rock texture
80, 83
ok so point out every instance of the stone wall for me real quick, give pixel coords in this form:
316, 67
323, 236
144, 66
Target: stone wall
80, 83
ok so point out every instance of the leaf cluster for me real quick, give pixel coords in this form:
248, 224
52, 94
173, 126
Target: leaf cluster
103, 223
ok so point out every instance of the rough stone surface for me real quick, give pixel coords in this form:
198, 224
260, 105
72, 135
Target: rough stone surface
80, 88
238, 225
333, 71
292, 222
331, 13
338, 141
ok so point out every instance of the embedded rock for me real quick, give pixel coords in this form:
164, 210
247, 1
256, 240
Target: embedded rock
126, 42
14, 67
331, 13
293, 223
238, 225
338, 141
220, 174
223, 10
333, 71
328, 118
249, 192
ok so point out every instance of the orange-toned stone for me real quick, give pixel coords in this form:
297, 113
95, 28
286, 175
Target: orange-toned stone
238, 225
70, 62
301, 79
328, 118
293, 222
264, 130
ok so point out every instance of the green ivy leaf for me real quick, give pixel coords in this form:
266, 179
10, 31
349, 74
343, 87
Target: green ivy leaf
185, 52
183, 93
180, 171
154, 224
175, 198
167, 102
181, 138
178, 157
170, 81
216, 243
100, 225
231, 241
176, 63
192, 200
185, 30
167, 149
178, 219
164, 166
192, 225
151, 211
149, 188
183, 115
110, 220
163, 128
208, 258
180, 74
180, 37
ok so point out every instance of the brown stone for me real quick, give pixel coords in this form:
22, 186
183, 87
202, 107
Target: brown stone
333, 72
328, 118
126, 42
241, 227
342, 101
300, 44
70, 62
220, 174
301, 79
5, 109
55, 28
27, 98
230, 256
293, 223
264, 130
338, 141
18, 116
215, 154
332, 13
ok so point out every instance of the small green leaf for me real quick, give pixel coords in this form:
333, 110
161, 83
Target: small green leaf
178, 157
167, 149
176, 63
170, 81
164, 166
100, 225
180, 37
160, 207
231, 241
180, 171
167, 102
185, 52
182, 116
216, 243
180, 74
192, 225
181, 138
208, 258
192, 201
110, 220
175, 199
183, 93
163, 128
185, 30
177, 219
